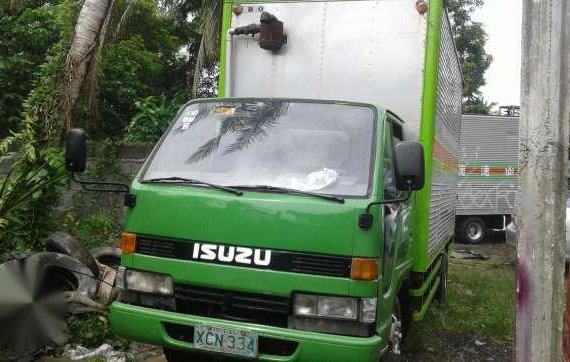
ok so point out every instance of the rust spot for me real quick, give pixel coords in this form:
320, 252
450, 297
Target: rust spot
523, 287
237, 9
524, 306
566, 340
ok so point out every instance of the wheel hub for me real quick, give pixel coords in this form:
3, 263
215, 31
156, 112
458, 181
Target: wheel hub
474, 231
396, 335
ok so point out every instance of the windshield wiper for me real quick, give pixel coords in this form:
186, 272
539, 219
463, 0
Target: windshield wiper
289, 191
192, 181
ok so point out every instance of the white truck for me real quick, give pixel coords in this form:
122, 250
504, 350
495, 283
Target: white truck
488, 175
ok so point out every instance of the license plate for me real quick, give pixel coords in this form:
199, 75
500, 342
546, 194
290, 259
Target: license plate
225, 340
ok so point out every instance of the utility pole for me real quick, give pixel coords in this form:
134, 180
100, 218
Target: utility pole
545, 118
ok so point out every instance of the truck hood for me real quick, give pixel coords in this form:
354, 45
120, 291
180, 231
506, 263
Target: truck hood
256, 219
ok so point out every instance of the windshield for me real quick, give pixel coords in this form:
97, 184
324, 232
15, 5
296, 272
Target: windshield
319, 147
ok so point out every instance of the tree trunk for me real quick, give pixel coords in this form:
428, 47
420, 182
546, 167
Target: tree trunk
541, 200
90, 22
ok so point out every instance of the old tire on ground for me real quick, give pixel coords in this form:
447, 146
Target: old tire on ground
442, 289
107, 255
64, 243
34, 296
472, 230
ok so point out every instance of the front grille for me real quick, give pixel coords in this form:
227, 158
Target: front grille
320, 265
160, 248
230, 305
294, 262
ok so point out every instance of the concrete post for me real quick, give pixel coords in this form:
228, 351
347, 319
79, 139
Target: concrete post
544, 127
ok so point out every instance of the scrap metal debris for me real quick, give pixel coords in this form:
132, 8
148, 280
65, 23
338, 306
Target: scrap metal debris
469, 254
105, 352
39, 291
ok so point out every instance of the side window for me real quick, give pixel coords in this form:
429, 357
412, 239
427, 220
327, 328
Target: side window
392, 136
397, 134
389, 183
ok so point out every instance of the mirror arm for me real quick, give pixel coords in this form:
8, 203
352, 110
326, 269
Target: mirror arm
130, 199
393, 201
366, 220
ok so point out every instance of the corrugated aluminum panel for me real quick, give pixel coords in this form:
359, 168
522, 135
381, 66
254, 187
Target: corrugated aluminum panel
443, 197
488, 173
359, 51
489, 139
485, 198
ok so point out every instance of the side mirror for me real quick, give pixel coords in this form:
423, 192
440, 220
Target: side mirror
409, 169
75, 150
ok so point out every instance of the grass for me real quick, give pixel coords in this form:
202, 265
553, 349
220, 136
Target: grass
480, 303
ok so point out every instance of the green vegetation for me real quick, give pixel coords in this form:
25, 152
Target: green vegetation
95, 217
470, 40
93, 330
137, 70
480, 303
153, 117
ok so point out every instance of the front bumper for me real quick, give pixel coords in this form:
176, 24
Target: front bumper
148, 325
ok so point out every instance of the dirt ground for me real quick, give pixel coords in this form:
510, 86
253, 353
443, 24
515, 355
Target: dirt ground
458, 347
450, 345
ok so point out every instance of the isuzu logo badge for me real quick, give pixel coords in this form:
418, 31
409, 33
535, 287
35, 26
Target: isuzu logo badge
231, 254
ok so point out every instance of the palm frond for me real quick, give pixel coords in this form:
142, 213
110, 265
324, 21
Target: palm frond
123, 19
4, 186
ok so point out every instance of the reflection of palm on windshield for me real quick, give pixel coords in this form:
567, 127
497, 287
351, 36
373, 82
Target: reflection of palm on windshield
249, 123
319, 147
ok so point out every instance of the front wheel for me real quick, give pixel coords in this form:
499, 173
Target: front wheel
173, 355
396, 336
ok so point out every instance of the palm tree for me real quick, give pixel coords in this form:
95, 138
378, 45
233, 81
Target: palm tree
210, 19
84, 53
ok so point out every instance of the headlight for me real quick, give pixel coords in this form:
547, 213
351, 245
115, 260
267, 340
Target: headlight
368, 310
148, 282
363, 309
305, 305
335, 307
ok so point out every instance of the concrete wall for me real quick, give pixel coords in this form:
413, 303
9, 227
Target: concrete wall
82, 203
131, 159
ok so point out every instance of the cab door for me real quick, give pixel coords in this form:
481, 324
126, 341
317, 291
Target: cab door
396, 216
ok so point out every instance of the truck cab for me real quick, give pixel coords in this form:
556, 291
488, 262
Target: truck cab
251, 222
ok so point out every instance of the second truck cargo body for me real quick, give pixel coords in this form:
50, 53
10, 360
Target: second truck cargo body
488, 173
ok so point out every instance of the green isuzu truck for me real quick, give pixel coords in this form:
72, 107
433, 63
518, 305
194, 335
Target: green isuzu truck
296, 218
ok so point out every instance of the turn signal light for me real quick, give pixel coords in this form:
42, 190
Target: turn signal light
364, 269
128, 243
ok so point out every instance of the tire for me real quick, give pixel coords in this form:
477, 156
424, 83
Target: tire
396, 334
443, 288
472, 230
64, 243
107, 255
173, 355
